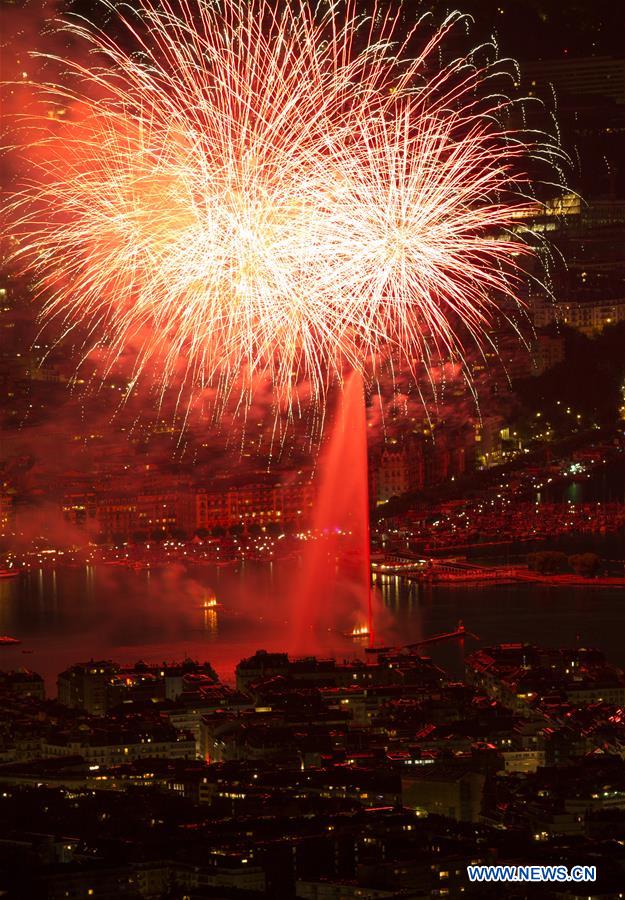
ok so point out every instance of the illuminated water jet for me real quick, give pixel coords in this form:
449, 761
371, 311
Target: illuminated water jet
333, 582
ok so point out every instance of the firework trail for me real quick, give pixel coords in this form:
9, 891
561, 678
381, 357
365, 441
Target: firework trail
241, 192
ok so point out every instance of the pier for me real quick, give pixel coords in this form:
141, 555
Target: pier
458, 633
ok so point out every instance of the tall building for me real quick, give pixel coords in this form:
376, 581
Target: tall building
400, 469
597, 76
85, 686
547, 352
7, 512
488, 441
393, 474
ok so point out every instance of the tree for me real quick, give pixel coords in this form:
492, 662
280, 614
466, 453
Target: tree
275, 528
547, 562
585, 564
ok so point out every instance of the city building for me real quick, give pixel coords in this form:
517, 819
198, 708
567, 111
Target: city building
22, 683
588, 316
445, 789
86, 686
547, 352
597, 76
260, 504
351, 778
99, 686
109, 744
524, 677
7, 512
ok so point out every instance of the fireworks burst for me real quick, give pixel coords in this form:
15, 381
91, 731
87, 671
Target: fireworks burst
239, 192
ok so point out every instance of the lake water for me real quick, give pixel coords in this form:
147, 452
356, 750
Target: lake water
67, 615
72, 614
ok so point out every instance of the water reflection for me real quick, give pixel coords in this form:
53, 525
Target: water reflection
210, 621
